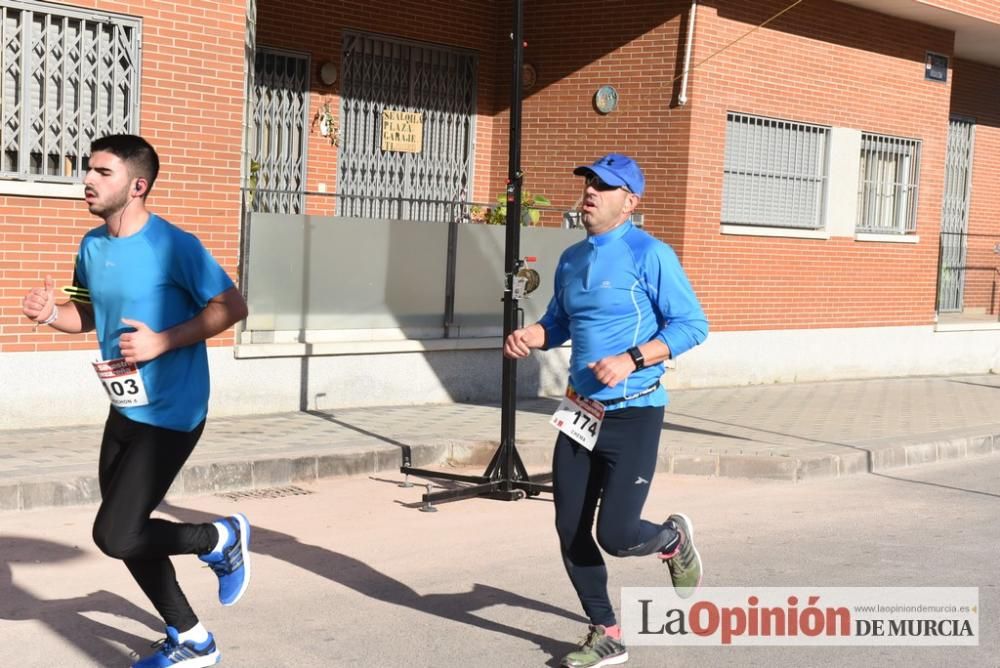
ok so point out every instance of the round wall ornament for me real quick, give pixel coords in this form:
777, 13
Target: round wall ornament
606, 99
528, 76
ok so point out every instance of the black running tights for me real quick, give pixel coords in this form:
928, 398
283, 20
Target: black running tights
617, 473
138, 463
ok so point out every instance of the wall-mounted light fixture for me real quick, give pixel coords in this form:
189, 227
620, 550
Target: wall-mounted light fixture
328, 73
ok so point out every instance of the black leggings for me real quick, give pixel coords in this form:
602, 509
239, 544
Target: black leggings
137, 466
617, 472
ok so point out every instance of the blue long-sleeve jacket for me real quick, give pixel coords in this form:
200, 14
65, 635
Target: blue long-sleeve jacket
614, 291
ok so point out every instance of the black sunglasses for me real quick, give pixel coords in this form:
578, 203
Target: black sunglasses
595, 182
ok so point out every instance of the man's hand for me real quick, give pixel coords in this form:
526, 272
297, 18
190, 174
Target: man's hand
613, 369
521, 342
517, 344
38, 304
143, 344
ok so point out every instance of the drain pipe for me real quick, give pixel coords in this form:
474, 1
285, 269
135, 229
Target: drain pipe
683, 97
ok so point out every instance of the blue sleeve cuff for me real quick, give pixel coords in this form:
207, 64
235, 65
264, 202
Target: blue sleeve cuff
555, 335
682, 336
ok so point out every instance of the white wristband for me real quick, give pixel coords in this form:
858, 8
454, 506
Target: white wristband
52, 316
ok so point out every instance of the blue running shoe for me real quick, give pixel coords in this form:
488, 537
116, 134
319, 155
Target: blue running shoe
232, 564
171, 652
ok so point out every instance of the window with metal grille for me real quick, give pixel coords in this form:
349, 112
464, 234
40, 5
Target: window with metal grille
887, 189
775, 172
277, 141
383, 73
68, 76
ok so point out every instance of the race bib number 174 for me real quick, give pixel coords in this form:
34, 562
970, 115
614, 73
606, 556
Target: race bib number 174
579, 418
122, 382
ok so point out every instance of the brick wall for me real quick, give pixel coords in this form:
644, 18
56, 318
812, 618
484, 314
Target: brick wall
976, 94
830, 64
573, 55
191, 111
824, 62
577, 47
316, 27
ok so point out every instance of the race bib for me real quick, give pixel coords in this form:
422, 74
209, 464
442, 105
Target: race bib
579, 418
122, 382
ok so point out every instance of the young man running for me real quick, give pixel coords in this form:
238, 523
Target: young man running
154, 294
623, 299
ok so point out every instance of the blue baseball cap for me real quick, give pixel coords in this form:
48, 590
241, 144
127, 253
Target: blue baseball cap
617, 170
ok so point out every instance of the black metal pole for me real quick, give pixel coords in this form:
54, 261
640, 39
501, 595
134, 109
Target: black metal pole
505, 476
512, 255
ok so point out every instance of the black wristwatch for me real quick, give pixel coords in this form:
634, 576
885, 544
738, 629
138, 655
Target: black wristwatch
637, 357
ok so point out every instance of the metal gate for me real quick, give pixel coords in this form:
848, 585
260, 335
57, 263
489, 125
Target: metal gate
955, 215
438, 83
278, 135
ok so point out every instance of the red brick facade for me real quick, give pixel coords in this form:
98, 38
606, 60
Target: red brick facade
316, 27
829, 64
823, 62
191, 111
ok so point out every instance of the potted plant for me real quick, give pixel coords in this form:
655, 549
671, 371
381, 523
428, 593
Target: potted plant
479, 214
529, 213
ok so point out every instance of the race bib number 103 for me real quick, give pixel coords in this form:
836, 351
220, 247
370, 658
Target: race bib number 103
122, 382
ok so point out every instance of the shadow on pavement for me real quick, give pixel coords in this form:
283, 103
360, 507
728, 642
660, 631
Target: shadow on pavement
869, 464
67, 616
667, 426
362, 578
936, 484
966, 382
325, 415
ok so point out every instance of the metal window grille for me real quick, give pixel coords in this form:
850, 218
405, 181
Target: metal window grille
278, 137
955, 215
68, 76
439, 82
775, 172
887, 193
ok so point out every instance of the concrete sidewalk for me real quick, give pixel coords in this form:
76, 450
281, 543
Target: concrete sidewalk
794, 432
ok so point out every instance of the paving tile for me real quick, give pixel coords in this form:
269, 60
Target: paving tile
794, 432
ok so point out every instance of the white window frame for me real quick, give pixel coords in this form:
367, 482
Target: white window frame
888, 185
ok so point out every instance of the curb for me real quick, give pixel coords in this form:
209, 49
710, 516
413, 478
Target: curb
226, 476
821, 466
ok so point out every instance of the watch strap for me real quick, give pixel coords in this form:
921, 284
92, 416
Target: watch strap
637, 357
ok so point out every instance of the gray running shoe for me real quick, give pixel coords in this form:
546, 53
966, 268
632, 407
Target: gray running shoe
683, 560
596, 649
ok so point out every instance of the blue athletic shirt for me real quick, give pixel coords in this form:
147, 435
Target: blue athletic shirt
161, 276
616, 290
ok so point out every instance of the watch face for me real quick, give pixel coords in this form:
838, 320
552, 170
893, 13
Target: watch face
606, 99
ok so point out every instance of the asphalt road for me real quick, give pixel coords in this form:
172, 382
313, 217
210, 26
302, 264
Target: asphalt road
350, 575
